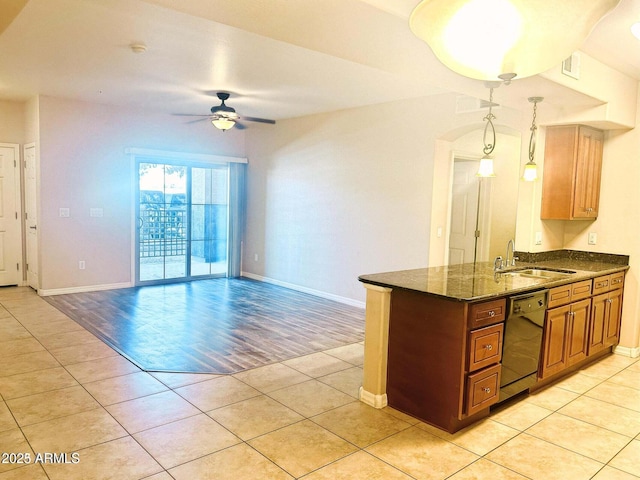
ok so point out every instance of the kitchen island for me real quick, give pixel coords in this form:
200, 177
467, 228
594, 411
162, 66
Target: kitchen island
434, 336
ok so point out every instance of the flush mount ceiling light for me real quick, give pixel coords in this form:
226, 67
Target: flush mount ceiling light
490, 39
486, 162
530, 173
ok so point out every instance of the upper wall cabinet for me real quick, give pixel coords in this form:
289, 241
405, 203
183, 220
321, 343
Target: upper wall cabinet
571, 175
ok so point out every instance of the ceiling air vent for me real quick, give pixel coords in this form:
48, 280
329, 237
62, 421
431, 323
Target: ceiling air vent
466, 104
571, 66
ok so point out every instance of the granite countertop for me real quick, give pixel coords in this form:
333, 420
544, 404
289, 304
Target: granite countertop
478, 281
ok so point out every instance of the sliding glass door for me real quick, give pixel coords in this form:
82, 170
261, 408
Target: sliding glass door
209, 221
183, 222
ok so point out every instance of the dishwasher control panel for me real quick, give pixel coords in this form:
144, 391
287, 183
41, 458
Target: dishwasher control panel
527, 303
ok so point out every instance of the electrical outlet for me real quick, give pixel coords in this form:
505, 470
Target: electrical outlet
81, 265
593, 238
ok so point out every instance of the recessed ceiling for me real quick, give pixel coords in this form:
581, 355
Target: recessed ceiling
279, 59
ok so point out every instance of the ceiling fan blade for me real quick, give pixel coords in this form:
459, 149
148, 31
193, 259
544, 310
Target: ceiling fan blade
260, 120
189, 115
240, 126
198, 120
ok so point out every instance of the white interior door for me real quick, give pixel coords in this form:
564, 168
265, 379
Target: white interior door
464, 212
31, 216
10, 237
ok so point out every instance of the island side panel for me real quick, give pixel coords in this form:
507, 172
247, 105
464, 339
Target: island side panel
427, 343
373, 391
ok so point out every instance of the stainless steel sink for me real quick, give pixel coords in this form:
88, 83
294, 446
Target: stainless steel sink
545, 273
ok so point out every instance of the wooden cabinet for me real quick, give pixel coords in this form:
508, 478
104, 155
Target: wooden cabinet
571, 175
606, 312
566, 330
582, 321
444, 357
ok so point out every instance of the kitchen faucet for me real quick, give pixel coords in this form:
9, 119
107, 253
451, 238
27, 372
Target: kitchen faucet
511, 263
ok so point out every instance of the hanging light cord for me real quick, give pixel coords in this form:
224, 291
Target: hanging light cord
488, 147
532, 140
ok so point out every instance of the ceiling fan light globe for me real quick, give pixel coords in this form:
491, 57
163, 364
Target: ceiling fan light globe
223, 123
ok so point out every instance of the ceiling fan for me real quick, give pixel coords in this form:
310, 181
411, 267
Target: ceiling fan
224, 117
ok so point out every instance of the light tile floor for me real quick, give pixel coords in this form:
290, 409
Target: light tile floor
65, 392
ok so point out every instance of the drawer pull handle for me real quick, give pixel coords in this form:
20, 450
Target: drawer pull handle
492, 313
486, 390
489, 347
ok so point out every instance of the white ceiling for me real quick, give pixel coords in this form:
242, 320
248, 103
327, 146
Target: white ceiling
279, 58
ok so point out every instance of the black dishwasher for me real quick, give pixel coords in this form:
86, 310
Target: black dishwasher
522, 342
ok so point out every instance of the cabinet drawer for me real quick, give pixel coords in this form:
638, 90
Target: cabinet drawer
487, 313
559, 296
606, 283
617, 280
580, 290
601, 284
485, 347
483, 389
569, 293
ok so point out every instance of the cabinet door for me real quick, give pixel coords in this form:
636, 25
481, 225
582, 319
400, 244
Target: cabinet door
587, 173
554, 352
557, 178
614, 316
599, 308
578, 331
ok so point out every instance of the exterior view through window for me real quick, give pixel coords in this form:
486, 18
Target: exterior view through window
183, 222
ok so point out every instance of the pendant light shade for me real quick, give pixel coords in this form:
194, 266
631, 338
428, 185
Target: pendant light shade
530, 173
491, 39
486, 167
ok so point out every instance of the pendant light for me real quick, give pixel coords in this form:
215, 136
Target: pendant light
486, 162
530, 173
486, 39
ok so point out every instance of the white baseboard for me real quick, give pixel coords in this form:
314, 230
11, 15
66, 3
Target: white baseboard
373, 400
627, 351
83, 289
310, 291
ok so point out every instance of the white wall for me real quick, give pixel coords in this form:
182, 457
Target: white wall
12, 119
335, 196
83, 165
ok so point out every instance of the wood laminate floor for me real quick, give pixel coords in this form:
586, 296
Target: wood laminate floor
213, 326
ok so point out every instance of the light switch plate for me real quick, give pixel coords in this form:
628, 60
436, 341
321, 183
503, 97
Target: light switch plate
593, 238
96, 212
64, 212
538, 238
